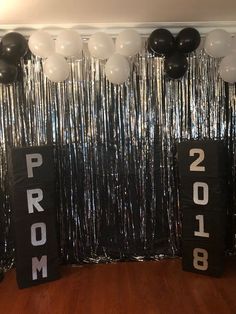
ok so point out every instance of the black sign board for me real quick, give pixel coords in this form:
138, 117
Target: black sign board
34, 211
205, 193
202, 158
203, 201
203, 258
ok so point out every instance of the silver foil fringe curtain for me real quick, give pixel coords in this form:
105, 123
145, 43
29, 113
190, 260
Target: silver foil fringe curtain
115, 152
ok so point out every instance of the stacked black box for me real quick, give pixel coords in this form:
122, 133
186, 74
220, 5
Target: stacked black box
203, 200
33, 200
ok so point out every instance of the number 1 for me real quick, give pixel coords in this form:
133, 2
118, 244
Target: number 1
201, 232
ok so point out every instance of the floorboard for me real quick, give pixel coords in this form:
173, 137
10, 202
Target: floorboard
124, 288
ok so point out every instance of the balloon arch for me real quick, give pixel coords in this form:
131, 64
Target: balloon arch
117, 56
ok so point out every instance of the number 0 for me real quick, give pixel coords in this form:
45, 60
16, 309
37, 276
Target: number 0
201, 155
205, 196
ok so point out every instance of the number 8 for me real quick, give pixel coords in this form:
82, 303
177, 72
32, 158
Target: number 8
200, 262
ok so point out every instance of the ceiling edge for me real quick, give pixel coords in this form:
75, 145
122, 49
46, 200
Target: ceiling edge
86, 29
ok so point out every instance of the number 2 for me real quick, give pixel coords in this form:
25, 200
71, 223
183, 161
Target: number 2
195, 164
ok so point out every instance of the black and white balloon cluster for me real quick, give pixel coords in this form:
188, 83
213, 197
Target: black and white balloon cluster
220, 44
118, 55
13, 47
163, 44
68, 44
117, 67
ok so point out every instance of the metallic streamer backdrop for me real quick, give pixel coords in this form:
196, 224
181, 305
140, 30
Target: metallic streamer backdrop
115, 152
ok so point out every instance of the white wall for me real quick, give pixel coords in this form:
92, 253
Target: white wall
109, 11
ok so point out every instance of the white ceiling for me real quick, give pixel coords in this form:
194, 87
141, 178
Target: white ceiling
114, 11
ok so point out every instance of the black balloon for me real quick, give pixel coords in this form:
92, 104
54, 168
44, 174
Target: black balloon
13, 47
176, 65
151, 51
20, 74
188, 40
161, 42
8, 72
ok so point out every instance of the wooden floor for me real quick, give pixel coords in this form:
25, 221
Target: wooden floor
124, 288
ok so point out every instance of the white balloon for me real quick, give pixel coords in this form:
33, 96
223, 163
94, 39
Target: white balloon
69, 43
41, 44
218, 43
117, 69
227, 68
56, 68
128, 43
101, 46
